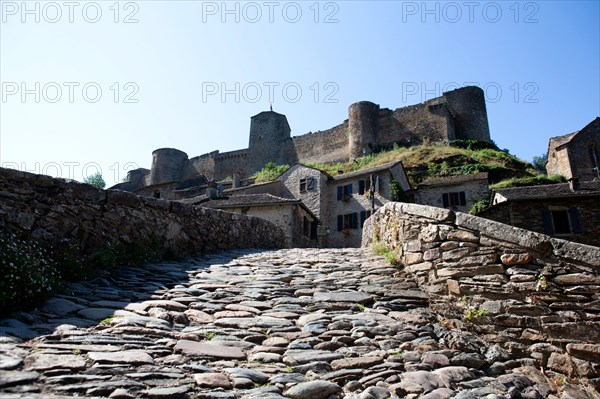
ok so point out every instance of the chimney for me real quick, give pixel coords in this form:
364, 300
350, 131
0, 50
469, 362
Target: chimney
236, 180
574, 183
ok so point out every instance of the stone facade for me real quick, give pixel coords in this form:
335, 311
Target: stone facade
458, 114
85, 219
298, 223
532, 294
576, 155
353, 197
555, 209
458, 193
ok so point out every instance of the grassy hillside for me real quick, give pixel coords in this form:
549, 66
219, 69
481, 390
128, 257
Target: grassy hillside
427, 161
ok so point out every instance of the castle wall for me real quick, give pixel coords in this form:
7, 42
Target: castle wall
228, 163
471, 116
328, 146
205, 164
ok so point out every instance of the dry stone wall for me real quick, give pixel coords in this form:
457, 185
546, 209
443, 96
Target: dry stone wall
85, 219
536, 296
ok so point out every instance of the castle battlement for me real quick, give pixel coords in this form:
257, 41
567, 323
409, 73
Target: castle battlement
457, 114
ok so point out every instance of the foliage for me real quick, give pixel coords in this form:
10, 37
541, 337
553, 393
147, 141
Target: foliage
270, 172
95, 180
473, 313
479, 206
529, 181
390, 255
209, 335
29, 274
117, 254
539, 163
473, 145
397, 193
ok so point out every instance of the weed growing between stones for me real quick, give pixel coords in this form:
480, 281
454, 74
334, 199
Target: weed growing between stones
474, 313
29, 274
390, 255
209, 335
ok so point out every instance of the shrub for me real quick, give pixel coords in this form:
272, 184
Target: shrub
479, 206
29, 274
529, 181
270, 172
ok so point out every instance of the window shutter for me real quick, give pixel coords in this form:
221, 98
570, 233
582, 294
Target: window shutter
349, 189
354, 220
445, 200
463, 198
340, 193
575, 224
547, 219
310, 183
361, 187
363, 217
340, 222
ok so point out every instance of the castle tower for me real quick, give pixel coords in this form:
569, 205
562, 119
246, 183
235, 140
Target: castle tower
170, 164
362, 125
270, 141
471, 121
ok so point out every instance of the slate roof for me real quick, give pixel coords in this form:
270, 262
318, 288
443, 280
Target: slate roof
249, 199
561, 190
562, 140
452, 180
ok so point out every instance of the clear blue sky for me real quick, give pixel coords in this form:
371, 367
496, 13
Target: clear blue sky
190, 74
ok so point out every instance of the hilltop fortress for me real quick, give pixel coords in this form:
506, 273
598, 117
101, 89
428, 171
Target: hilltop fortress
457, 114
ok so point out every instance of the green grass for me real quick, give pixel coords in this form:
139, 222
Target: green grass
472, 314
209, 335
427, 161
529, 181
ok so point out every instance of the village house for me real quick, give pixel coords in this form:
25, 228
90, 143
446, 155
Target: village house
567, 210
458, 193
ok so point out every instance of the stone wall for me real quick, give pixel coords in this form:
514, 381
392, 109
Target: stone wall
85, 219
475, 190
327, 146
536, 296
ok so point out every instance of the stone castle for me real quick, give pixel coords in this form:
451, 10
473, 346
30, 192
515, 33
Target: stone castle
457, 114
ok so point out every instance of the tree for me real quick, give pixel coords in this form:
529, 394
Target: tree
95, 180
539, 163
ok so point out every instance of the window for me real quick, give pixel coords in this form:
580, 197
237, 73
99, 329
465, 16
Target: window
561, 221
348, 221
364, 215
307, 184
344, 192
302, 185
454, 199
594, 156
157, 194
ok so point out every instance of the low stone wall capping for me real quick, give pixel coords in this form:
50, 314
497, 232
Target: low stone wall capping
535, 295
85, 219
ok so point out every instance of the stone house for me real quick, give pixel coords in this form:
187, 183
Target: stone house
340, 203
576, 155
458, 193
353, 197
568, 210
297, 221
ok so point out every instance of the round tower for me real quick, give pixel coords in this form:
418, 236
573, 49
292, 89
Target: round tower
471, 121
168, 164
362, 124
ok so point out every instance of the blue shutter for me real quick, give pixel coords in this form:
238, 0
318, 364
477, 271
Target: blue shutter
361, 187
340, 222
547, 219
463, 198
363, 217
340, 193
445, 200
575, 224
354, 224
349, 190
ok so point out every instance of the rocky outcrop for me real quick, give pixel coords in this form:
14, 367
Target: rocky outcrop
84, 219
533, 295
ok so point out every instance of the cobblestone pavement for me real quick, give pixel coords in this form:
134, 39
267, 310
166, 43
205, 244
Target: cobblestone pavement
292, 323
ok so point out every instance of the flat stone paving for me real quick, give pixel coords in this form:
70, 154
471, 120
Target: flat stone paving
306, 324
